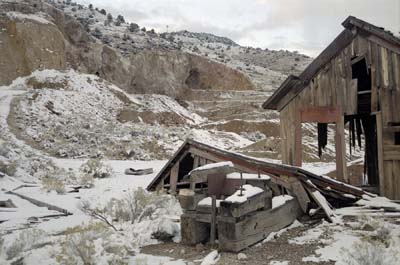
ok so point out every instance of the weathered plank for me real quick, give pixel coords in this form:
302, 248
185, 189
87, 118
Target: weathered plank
320, 114
239, 209
297, 135
396, 179
379, 136
341, 167
237, 236
213, 226
388, 169
300, 193
189, 202
174, 178
391, 152
193, 231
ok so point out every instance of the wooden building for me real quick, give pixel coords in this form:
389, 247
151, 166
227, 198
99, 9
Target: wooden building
354, 83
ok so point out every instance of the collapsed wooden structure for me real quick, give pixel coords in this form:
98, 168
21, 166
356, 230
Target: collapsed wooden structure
354, 81
239, 227
235, 207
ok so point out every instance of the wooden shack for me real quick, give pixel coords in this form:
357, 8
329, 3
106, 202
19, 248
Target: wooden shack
354, 84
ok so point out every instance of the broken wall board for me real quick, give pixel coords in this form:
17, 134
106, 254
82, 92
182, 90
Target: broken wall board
193, 231
256, 227
250, 205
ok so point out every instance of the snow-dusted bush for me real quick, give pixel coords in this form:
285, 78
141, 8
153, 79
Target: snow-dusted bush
86, 181
96, 168
377, 247
136, 205
90, 244
9, 168
371, 253
53, 183
25, 240
146, 216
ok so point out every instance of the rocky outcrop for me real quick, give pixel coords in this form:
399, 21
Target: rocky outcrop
28, 42
36, 35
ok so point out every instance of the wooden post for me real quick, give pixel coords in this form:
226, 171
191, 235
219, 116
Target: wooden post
196, 161
174, 178
379, 136
340, 146
213, 218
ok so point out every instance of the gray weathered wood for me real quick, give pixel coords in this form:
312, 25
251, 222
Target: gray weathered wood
239, 209
254, 228
213, 226
193, 231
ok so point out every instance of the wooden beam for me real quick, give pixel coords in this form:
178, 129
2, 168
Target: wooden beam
196, 162
213, 219
391, 128
379, 136
391, 152
297, 134
384, 43
174, 177
246, 166
340, 146
300, 193
321, 114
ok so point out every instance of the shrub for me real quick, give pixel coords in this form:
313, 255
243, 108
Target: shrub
109, 18
97, 33
77, 247
8, 168
87, 244
121, 19
96, 168
86, 181
133, 27
26, 239
370, 253
52, 183
377, 247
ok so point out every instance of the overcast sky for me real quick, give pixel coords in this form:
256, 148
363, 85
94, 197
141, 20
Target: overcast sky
304, 25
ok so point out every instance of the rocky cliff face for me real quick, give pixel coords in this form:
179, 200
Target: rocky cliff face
28, 41
36, 35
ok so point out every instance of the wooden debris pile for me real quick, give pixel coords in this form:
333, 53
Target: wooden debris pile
205, 177
237, 208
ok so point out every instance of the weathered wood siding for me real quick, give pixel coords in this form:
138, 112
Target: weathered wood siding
333, 86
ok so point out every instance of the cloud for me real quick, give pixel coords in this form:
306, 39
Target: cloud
304, 25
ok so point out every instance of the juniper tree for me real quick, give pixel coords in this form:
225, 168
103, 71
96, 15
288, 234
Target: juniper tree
133, 27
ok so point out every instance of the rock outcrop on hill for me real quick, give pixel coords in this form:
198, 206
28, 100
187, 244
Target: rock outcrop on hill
36, 35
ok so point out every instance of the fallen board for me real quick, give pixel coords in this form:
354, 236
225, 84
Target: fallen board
235, 209
255, 227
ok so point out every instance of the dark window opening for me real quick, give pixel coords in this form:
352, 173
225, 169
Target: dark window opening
397, 138
185, 166
362, 73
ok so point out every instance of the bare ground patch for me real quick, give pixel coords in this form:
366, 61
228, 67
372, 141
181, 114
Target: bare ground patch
276, 250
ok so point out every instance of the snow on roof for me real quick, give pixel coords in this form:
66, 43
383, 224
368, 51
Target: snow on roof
248, 191
212, 166
280, 200
207, 202
236, 175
